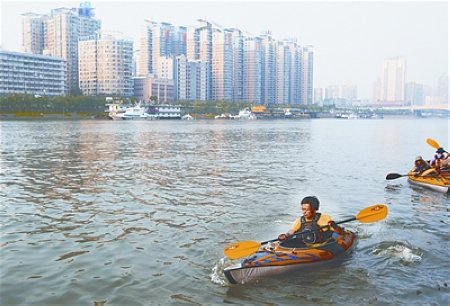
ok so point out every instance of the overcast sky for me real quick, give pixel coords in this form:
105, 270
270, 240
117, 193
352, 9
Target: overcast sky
350, 39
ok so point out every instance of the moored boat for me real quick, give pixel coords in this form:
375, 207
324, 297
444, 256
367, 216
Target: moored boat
278, 259
431, 180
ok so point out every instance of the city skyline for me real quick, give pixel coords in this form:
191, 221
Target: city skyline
349, 46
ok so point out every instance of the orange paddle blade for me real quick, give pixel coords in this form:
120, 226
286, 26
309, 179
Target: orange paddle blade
241, 249
372, 213
433, 143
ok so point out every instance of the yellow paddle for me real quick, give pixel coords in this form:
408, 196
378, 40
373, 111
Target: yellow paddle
433, 143
241, 249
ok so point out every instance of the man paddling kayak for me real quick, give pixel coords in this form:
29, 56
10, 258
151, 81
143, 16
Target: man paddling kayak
310, 223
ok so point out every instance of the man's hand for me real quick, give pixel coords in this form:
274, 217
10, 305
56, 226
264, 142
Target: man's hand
332, 225
283, 237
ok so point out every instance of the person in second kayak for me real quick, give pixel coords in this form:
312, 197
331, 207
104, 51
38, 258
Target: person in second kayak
310, 223
420, 166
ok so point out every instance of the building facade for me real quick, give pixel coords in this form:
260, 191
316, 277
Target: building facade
392, 86
106, 65
222, 66
307, 68
146, 88
252, 70
26, 73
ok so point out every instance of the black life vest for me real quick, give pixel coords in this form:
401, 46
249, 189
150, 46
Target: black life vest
314, 234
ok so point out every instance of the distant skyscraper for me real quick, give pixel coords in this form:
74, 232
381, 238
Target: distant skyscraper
443, 87
318, 96
33, 33
60, 33
307, 66
252, 69
222, 66
106, 64
205, 45
144, 64
260, 70
283, 72
414, 94
192, 43
190, 78
238, 65
269, 70
157, 41
295, 75
392, 87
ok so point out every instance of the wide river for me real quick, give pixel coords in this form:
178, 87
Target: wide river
138, 213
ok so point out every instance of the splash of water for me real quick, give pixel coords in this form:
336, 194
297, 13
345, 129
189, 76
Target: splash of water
399, 250
217, 275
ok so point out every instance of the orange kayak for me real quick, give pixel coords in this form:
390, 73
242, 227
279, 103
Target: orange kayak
272, 261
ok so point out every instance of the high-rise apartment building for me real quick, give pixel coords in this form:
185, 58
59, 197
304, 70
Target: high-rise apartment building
58, 34
283, 72
106, 64
306, 85
205, 51
222, 65
32, 33
237, 42
164, 69
158, 41
252, 69
268, 69
144, 63
192, 43
392, 86
295, 76
190, 79
260, 70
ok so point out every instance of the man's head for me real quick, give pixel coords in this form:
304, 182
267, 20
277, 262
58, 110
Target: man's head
440, 150
309, 206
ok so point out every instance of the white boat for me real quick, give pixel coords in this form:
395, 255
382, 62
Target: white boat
347, 116
288, 113
187, 117
141, 112
136, 112
246, 114
223, 116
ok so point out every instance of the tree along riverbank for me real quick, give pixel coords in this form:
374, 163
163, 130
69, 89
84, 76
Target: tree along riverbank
82, 107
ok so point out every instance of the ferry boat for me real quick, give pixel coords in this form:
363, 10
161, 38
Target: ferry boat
141, 112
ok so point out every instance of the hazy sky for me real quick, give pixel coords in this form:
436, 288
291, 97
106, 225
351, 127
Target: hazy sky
350, 39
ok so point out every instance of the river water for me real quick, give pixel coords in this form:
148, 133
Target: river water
138, 213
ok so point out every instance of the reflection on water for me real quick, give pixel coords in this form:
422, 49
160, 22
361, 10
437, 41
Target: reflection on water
119, 213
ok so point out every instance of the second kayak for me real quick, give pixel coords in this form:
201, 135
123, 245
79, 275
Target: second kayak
435, 182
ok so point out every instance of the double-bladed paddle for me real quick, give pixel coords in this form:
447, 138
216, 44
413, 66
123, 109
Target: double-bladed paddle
241, 249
